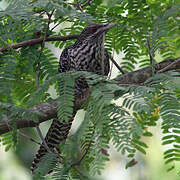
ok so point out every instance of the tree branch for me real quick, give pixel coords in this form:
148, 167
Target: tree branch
140, 76
169, 66
38, 73
32, 42
80, 5
49, 109
86, 3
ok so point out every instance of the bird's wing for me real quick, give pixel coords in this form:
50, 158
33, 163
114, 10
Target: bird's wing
66, 61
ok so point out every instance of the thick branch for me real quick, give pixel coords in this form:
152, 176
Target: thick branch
141, 75
38, 41
49, 108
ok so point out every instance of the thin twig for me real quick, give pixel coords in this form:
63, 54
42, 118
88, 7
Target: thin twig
149, 51
116, 64
22, 134
87, 149
42, 47
37, 79
170, 65
55, 26
47, 28
29, 138
42, 139
86, 3
37, 127
83, 156
80, 6
78, 171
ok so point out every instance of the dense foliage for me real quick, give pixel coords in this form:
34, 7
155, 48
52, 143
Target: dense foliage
27, 73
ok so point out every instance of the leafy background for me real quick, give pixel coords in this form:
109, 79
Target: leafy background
128, 124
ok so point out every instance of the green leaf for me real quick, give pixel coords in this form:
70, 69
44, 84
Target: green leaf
140, 143
148, 134
172, 159
139, 148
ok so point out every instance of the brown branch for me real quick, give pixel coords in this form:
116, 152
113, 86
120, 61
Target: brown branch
116, 64
37, 77
86, 151
42, 40
83, 156
38, 41
29, 138
49, 108
86, 3
138, 77
42, 139
80, 5
169, 66
47, 28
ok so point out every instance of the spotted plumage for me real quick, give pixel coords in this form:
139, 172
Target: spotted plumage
84, 55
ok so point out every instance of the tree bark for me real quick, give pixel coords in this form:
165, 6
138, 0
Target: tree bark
32, 42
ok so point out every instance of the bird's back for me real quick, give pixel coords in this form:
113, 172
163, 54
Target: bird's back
84, 57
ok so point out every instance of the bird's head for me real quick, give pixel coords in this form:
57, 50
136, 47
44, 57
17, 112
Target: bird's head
95, 31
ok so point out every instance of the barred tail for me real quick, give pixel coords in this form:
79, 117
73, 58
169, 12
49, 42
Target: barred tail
57, 133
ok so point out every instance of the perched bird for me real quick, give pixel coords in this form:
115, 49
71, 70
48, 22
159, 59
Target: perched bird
84, 55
